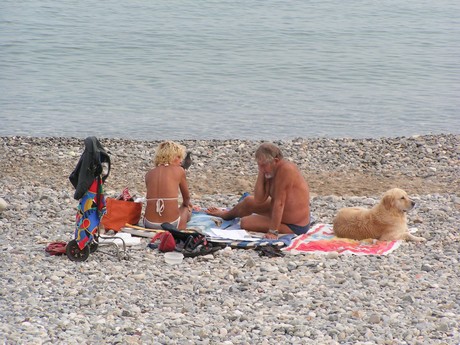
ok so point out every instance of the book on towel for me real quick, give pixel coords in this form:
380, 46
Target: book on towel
236, 235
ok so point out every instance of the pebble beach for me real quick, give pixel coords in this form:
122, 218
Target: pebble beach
410, 296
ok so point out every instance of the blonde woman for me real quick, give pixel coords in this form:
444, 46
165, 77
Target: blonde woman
163, 183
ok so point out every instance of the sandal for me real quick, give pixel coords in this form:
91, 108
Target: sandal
270, 251
196, 246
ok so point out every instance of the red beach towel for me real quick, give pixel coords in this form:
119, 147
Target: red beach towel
321, 239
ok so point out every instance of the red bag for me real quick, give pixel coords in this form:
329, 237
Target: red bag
167, 242
56, 248
125, 195
120, 212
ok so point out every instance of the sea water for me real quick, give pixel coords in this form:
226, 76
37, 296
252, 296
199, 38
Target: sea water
183, 69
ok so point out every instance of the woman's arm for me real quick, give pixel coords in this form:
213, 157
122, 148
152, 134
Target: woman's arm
183, 186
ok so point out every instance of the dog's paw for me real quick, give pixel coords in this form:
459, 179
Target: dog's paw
408, 236
416, 238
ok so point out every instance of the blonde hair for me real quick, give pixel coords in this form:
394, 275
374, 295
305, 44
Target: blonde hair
167, 151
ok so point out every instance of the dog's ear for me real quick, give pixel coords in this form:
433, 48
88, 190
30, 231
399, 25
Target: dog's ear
388, 201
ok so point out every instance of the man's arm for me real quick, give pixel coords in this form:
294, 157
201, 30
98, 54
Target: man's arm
262, 188
282, 185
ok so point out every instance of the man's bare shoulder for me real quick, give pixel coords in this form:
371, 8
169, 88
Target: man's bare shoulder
286, 173
288, 167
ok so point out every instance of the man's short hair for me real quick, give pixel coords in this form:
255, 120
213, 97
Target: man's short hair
268, 152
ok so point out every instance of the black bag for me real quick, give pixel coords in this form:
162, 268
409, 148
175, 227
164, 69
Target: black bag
177, 234
191, 244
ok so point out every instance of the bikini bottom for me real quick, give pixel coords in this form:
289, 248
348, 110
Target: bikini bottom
151, 225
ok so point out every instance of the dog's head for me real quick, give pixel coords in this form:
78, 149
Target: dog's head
397, 199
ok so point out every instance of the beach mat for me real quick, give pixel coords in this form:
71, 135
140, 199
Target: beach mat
141, 231
281, 242
201, 222
321, 240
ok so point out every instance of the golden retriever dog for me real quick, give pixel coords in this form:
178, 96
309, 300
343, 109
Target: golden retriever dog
386, 221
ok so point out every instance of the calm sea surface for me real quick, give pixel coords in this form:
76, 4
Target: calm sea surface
183, 69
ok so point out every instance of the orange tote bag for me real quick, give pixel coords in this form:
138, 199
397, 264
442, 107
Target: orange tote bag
120, 212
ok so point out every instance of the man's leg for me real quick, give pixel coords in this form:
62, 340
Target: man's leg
260, 223
256, 223
245, 207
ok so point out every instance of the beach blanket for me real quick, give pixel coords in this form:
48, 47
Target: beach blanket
203, 223
321, 240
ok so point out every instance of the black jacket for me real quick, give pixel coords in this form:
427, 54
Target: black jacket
89, 167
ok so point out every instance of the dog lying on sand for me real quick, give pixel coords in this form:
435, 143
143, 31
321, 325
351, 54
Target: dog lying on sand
386, 221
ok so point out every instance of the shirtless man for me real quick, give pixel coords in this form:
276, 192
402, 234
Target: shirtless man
281, 201
163, 183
